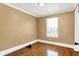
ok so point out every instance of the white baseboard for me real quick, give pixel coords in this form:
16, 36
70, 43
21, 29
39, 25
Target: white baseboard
57, 43
2, 53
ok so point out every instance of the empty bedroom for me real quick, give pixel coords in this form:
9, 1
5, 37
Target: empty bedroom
39, 29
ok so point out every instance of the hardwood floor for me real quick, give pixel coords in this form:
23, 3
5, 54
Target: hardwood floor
42, 49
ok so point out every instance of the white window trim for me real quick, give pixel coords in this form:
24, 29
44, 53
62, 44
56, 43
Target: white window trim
55, 35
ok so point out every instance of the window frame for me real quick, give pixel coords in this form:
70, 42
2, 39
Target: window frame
56, 35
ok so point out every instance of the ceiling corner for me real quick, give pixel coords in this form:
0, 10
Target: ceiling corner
27, 12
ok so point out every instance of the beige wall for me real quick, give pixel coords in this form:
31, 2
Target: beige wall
66, 28
15, 27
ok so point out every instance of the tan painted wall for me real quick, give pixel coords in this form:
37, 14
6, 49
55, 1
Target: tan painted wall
15, 27
66, 28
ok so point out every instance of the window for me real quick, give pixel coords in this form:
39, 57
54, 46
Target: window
52, 27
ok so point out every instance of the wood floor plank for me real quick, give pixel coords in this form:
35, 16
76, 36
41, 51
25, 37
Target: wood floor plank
42, 49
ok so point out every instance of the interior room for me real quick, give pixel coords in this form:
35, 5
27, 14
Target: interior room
39, 29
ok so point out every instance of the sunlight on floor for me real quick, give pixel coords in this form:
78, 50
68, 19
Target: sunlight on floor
51, 53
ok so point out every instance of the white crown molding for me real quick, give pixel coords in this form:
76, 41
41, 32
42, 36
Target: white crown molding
22, 10
10, 50
27, 12
56, 13
74, 7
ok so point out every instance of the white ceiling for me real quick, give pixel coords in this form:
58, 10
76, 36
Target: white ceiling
40, 11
